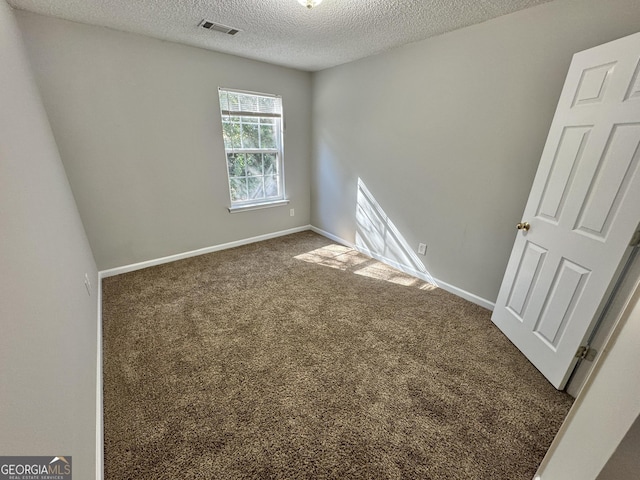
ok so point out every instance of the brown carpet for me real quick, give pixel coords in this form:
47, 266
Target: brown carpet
296, 358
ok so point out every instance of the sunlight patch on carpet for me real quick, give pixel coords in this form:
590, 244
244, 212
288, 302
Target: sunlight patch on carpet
349, 260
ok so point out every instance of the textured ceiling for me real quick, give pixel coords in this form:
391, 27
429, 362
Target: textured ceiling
284, 32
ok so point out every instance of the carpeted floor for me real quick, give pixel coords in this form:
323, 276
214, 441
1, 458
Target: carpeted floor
296, 358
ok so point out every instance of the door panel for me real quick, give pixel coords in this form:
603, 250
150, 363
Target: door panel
561, 300
568, 155
583, 207
634, 88
593, 84
617, 166
530, 264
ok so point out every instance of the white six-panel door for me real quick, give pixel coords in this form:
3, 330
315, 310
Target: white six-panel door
583, 208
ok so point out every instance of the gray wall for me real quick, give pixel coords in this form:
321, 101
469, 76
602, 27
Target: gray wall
624, 464
47, 319
138, 127
447, 133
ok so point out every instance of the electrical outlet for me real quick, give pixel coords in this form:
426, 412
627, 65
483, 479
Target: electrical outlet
292, 212
422, 248
87, 283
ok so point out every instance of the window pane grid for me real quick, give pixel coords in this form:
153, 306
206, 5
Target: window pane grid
253, 176
249, 133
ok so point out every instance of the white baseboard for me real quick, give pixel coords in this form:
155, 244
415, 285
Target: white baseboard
201, 251
473, 298
404, 268
331, 236
99, 394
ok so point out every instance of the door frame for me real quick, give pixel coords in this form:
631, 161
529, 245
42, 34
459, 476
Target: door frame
601, 334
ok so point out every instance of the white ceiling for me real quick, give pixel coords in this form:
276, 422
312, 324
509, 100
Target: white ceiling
284, 32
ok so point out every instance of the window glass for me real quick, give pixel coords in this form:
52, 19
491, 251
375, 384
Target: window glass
252, 134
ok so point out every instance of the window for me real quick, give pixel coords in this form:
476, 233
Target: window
252, 132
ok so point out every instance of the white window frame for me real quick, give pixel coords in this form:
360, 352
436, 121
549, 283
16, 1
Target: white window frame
226, 114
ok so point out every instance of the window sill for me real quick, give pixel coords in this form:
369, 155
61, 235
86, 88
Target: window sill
257, 206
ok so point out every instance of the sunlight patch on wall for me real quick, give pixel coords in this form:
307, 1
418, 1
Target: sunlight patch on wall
378, 236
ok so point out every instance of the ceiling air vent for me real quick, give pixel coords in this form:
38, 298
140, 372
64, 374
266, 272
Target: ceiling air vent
218, 27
